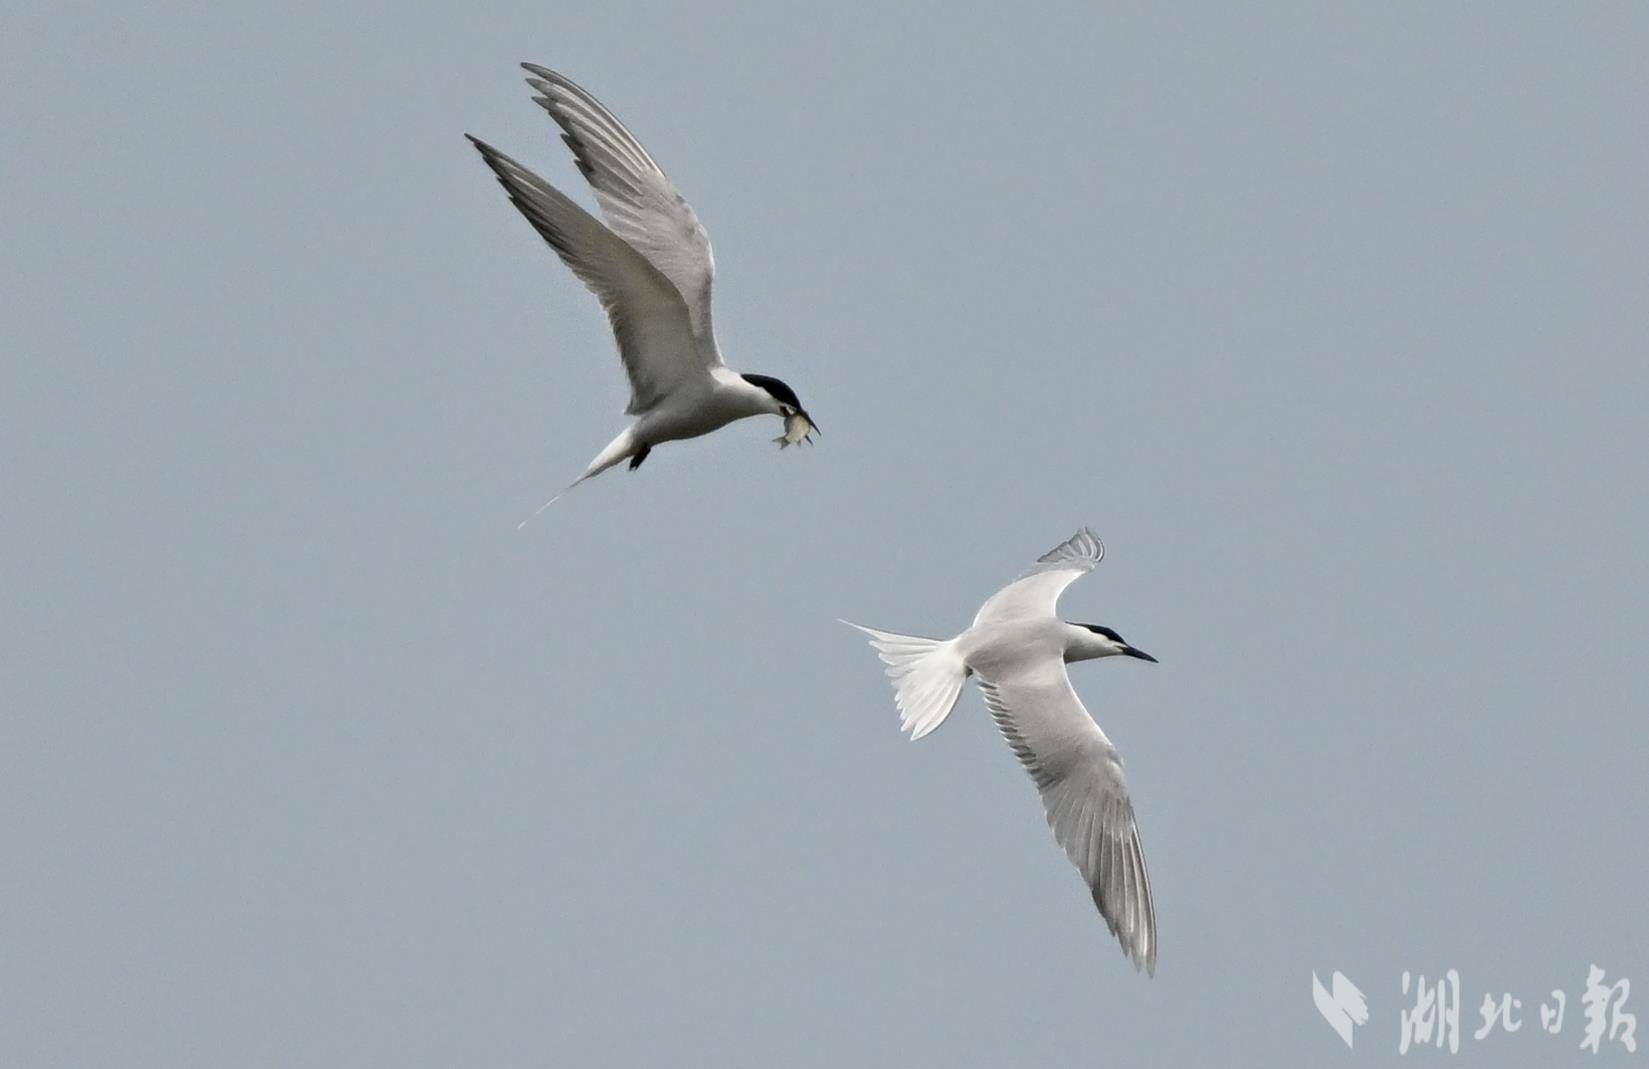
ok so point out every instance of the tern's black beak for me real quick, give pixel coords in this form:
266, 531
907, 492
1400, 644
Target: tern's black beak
1141, 654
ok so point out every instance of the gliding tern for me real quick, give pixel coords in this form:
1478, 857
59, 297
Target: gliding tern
651, 268
1019, 647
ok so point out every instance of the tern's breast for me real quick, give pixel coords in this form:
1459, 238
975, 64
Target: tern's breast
690, 412
996, 650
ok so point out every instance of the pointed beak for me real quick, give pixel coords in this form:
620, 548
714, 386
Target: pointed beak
1141, 654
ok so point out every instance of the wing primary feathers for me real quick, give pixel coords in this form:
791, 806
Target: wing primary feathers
650, 321
638, 200
1085, 797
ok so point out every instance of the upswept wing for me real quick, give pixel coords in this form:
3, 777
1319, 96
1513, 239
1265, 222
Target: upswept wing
648, 316
1079, 775
639, 202
1036, 592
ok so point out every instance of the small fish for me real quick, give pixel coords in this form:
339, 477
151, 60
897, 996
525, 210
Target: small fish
797, 428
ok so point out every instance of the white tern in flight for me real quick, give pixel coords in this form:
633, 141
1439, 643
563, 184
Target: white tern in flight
1018, 648
651, 268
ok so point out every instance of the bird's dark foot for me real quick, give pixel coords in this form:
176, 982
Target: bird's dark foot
635, 461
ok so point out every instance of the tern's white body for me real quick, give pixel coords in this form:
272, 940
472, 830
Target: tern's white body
651, 267
1017, 649
996, 648
695, 407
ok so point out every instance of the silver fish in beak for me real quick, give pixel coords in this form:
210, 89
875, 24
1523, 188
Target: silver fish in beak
797, 428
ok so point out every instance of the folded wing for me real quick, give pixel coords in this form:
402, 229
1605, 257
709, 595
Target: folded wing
648, 316
639, 202
1079, 775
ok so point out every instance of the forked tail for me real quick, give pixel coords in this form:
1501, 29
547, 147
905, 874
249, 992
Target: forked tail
927, 675
617, 449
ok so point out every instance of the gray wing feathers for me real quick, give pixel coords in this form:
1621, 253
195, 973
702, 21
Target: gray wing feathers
647, 314
1036, 592
1079, 775
638, 200
1082, 551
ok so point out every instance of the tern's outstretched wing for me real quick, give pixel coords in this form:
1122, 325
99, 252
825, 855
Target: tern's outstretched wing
641, 205
648, 316
1036, 593
1079, 775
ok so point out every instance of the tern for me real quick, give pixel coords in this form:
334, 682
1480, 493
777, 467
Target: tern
1018, 648
651, 268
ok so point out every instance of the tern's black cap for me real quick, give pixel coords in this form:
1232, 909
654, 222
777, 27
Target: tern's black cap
780, 391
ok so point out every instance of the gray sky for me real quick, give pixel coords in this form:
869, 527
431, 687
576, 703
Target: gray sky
1331, 321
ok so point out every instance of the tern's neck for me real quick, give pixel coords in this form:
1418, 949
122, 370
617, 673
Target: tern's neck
750, 396
1082, 644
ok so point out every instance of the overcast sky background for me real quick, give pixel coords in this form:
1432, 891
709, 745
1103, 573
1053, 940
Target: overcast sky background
1330, 321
